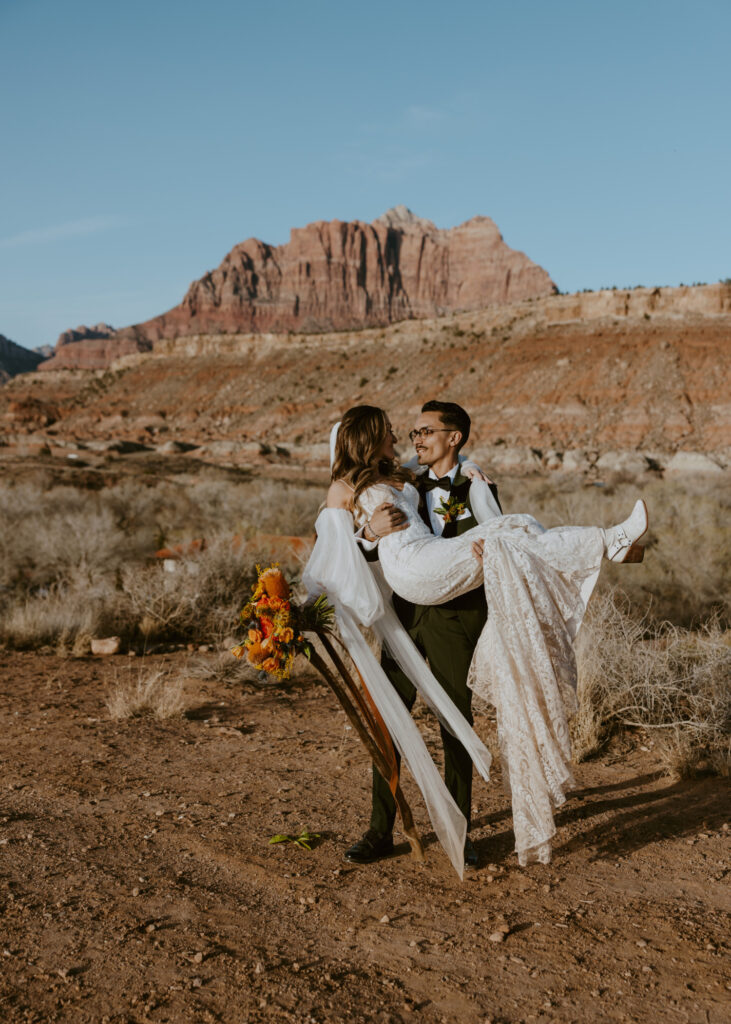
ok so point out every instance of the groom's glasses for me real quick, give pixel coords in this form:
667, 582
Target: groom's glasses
428, 431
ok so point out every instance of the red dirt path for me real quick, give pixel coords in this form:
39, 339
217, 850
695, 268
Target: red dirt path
137, 882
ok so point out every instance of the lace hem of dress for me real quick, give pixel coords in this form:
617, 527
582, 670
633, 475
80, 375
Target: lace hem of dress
540, 854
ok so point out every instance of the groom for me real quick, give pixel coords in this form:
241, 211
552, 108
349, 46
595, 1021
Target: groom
446, 634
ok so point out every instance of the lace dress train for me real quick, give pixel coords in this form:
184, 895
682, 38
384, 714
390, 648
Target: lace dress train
537, 583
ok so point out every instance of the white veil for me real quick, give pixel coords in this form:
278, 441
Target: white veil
333, 442
361, 596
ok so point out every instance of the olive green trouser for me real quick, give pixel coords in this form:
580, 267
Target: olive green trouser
447, 639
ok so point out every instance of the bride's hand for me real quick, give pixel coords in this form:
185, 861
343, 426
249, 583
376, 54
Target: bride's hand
473, 472
478, 547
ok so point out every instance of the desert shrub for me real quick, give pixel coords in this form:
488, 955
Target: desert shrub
75, 562
224, 668
160, 694
50, 536
196, 598
198, 601
46, 619
49, 530
193, 598
171, 511
276, 508
664, 679
63, 614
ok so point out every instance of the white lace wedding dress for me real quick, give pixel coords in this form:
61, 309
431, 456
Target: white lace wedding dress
537, 584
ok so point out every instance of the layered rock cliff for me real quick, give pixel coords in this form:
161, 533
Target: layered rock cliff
334, 276
95, 353
577, 376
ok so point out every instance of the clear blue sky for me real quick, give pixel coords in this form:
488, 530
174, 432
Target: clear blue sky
142, 140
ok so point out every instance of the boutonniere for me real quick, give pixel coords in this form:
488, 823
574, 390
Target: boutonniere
451, 509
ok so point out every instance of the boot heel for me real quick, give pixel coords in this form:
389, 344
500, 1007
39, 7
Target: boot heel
635, 554
621, 540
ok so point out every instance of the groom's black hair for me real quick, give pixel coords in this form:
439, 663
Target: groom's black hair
452, 416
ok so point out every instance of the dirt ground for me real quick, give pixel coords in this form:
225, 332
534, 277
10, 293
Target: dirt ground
138, 883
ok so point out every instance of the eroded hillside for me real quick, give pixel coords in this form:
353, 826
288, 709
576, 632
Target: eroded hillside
641, 370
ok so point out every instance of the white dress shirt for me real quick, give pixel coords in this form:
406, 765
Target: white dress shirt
483, 503
435, 497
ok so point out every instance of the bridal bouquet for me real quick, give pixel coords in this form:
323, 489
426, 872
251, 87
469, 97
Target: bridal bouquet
275, 635
274, 625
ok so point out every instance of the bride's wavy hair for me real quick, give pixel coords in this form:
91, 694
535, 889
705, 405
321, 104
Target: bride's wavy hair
362, 432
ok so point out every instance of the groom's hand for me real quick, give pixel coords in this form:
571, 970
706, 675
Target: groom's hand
387, 519
478, 546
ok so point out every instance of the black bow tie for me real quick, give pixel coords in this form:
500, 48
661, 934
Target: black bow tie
445, 482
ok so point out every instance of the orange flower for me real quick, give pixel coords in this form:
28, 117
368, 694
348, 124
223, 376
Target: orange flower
274, 583
286, 635
256, 654
270, 665
255, 636
267, 626
238, 651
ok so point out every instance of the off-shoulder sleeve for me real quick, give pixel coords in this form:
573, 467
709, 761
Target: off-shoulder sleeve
483, 502
337, 567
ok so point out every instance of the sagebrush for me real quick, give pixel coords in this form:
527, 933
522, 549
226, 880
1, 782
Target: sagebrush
670, 682
77, 563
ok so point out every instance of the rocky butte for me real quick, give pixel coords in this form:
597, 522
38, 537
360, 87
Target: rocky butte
332, 276
85, 334
92, 348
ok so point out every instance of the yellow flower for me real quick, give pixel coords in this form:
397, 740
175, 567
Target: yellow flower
238, 651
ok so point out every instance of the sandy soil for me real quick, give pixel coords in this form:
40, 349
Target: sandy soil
138, 884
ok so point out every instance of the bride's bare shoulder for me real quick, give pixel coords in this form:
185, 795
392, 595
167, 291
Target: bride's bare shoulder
340, 495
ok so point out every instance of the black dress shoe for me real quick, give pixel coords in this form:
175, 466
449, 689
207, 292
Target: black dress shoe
470, 854
373, 846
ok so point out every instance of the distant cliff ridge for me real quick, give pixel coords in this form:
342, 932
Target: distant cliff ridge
334, 276
84, 333
15, 359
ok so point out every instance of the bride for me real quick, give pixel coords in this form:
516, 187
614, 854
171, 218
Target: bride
537, 584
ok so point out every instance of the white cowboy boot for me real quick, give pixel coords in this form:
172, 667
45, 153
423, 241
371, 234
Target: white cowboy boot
621, 541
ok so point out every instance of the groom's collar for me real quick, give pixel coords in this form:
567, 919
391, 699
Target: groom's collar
458, 480
451, 474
